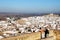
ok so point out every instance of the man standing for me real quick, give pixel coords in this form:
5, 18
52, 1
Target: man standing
46, 33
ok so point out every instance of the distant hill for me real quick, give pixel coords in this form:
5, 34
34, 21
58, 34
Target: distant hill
11, 14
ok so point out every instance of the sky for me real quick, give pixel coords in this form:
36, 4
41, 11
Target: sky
30, 6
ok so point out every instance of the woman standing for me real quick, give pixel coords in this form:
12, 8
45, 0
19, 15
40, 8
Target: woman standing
42, 33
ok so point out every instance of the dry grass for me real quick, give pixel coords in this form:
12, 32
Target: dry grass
32, 36
57, 32
35, 36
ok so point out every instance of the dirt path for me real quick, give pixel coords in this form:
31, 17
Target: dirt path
49, 38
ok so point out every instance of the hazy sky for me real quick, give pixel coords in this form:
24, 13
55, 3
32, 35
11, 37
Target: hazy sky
29, 6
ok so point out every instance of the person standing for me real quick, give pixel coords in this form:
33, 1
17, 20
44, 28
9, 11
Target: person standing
42, 33
46, 33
